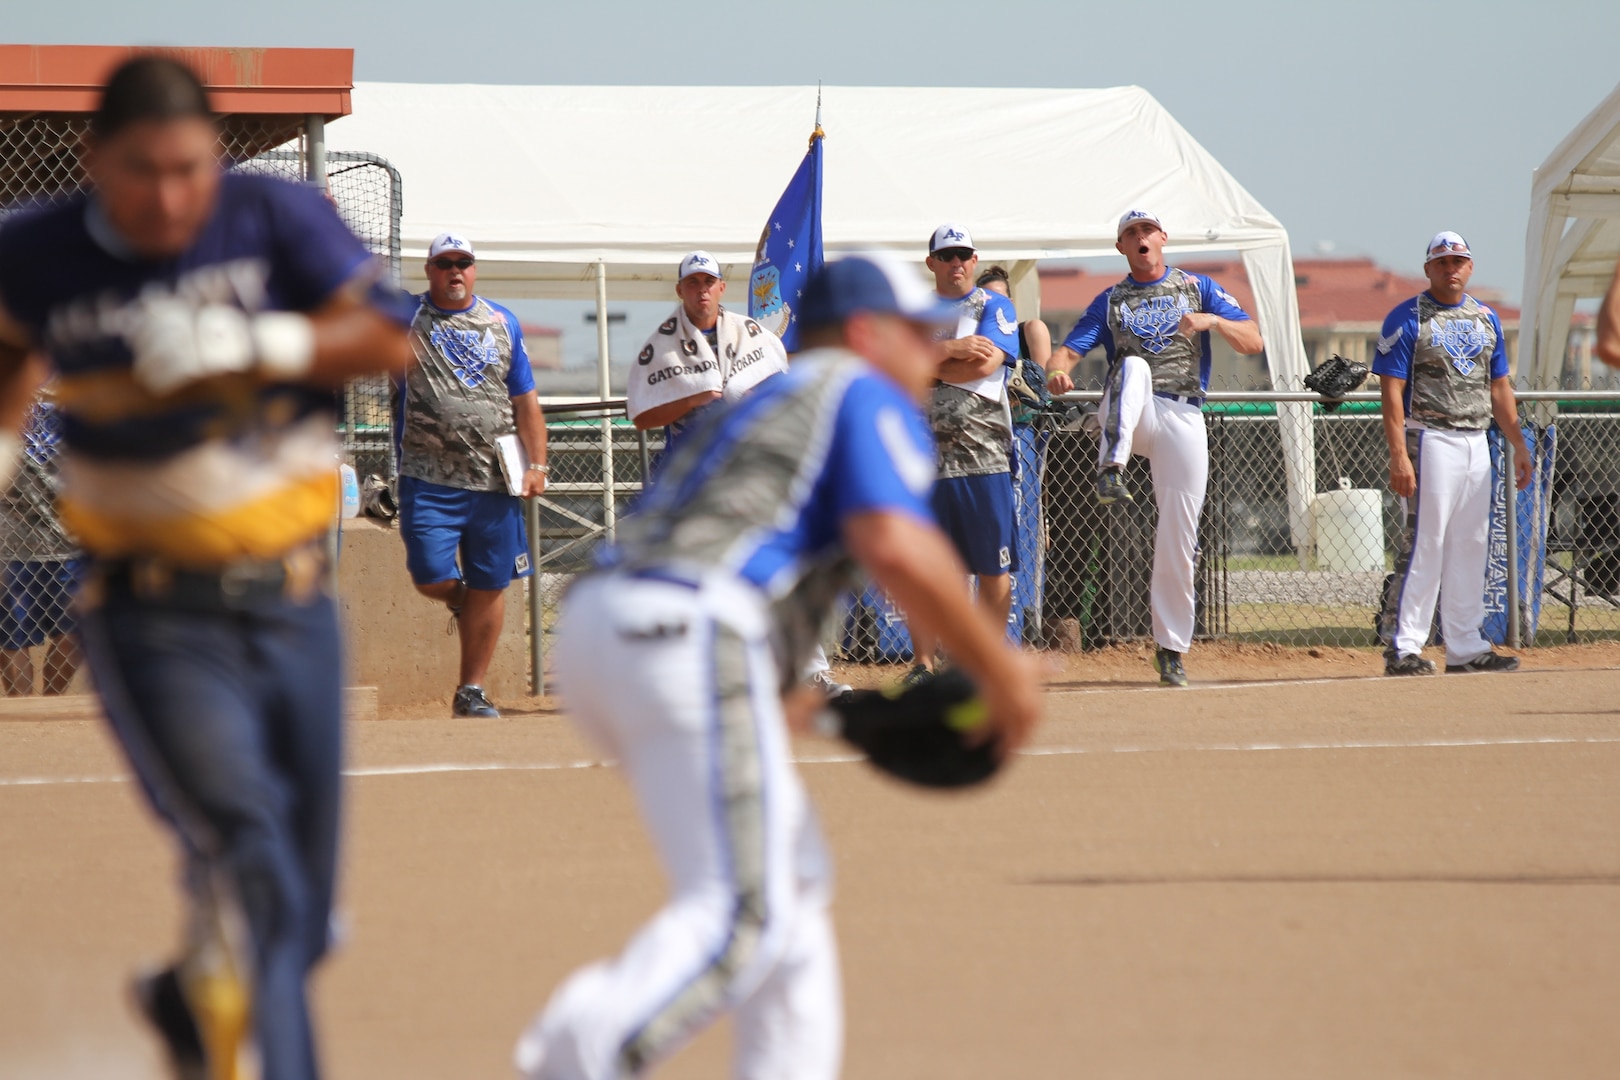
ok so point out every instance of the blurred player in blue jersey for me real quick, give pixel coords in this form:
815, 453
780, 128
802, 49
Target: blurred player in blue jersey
1155, 326
1442, 365
972, 426
676, 654
199, 324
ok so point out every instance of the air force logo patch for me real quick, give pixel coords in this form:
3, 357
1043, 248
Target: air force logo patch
1463, 340
1385, 344
1004, 324
1154, 320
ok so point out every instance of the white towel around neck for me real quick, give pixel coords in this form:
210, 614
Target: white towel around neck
677, 362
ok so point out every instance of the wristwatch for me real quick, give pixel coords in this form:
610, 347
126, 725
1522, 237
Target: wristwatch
543, 470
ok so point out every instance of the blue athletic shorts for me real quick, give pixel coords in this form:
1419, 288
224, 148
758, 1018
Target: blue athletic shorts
38, 601
485, 528
977, 513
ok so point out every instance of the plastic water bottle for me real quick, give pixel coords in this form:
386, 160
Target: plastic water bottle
351, 491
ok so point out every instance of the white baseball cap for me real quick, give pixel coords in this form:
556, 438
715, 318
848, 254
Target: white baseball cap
700, 262
450, 242
1446, 243
1131, 217
950, 236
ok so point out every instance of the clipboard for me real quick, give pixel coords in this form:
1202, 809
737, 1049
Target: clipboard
514, 461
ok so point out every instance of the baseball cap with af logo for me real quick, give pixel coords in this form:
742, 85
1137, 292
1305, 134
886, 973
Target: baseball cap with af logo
450, 242
700, 262
950, 236
1446, 243
1131, 217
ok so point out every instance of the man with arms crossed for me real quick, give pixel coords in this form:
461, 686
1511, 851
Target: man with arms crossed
676, 653
972, 425
463, 529
1155, 326
1442, 363
199, 324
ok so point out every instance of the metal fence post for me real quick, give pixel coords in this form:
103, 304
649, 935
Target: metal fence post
537, 603
609, 517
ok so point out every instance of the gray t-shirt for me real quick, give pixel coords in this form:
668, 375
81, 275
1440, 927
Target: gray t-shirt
458, 394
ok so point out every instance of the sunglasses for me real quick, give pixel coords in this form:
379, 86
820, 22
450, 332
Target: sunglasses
442, 263
1448, 248
949, 255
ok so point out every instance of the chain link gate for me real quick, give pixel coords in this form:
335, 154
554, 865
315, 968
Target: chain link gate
39, 563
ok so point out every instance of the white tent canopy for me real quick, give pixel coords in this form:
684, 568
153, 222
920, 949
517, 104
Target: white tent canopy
1573, 240
556, 185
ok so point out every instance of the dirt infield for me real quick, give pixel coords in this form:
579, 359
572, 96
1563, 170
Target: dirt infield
1329, 876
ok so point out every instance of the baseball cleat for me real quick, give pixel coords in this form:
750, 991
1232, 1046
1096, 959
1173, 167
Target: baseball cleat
1171, 673
471, 701
1408, 665
220, 1004
1486, 661
159, 1001
918, 675
830, 688
1111, 488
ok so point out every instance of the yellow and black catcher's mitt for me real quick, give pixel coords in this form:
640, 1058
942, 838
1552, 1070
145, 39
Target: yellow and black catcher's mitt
1335, 377
929, 734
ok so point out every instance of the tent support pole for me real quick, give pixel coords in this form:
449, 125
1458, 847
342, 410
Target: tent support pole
603, 390
315, 150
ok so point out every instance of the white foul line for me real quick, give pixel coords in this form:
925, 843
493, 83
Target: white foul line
434, 768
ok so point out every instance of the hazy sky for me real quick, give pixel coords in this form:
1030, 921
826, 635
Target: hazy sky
1367, 126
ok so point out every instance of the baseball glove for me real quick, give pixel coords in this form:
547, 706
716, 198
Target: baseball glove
1335, 377
919, 734
1026, 385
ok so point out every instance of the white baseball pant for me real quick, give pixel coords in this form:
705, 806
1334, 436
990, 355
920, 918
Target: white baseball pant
1170, 434
677, 682
1444, 549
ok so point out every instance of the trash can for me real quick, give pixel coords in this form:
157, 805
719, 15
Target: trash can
1347, 528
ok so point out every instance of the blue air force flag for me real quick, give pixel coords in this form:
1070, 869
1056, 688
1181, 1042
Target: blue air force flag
789, 250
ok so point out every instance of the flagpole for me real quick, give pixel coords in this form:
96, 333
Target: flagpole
818, 133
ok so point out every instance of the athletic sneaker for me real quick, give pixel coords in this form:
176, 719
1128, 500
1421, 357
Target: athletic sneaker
160, 1002
1410, 664
1171, 673
470, 701
918, 675
1486, 661
830, 687
1111, 488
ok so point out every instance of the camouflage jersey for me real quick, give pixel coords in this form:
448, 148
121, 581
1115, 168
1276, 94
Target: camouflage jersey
1137, 318
457, 397
972, 424
762, 490
29, 527
1448, 356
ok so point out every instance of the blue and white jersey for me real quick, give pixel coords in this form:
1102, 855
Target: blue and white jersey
1448, 354
971, 420
1136, 318
762, 489
222, 468
457, 397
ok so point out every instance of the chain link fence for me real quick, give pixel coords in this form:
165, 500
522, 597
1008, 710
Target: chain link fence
1307, 568
40, 162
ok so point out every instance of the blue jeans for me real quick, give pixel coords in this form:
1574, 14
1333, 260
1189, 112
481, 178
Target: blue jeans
232, 721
